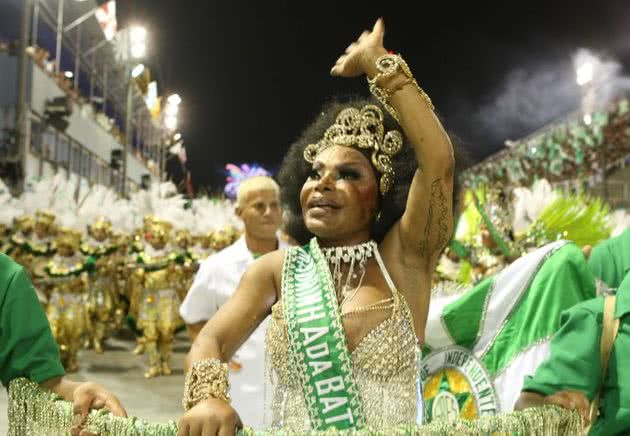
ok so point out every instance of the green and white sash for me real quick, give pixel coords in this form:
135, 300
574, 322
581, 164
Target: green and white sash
317, 340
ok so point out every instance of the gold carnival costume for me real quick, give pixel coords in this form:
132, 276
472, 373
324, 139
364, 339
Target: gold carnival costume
184, 243
223, 237
157, 284
20, 233
384, 364
33, 240
103, 301
121, 282
138, 242
201, 247
67, 273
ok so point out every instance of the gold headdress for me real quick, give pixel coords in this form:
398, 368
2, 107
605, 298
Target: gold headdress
44, 216
69, 237
147, 221
24, 223
183, 236
363, 128
207, 237
161, 229
101, 223
221, 238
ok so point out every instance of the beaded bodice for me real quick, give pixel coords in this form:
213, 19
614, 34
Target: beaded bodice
385, 367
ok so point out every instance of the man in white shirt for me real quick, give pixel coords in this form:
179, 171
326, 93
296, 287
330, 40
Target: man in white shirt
258, 206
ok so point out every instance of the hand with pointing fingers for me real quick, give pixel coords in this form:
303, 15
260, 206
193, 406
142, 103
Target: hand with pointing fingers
359, 55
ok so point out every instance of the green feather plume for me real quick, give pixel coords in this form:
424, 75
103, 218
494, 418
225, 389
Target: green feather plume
576, 218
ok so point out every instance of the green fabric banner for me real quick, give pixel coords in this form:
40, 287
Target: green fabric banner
318, 342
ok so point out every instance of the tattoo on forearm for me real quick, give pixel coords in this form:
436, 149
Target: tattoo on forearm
438, 212
442, 220
424, 242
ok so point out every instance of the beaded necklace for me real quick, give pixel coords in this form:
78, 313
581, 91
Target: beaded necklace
347, 284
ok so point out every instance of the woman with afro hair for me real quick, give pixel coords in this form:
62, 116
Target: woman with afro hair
373, 210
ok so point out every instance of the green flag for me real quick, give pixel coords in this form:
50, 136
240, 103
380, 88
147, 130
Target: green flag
481, 344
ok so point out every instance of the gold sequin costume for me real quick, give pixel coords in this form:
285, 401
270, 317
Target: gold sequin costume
33, 241
201, 247
66, 309
385, 367
102, 294
184, 241
157, 283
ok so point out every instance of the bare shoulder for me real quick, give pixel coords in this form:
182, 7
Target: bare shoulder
268, 268
272, 259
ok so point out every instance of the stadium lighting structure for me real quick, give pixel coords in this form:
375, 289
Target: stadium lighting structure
170, 122
174, 99
138, 41
138, 50
584, 73
171, 110
588, 75
137, 70
138, 34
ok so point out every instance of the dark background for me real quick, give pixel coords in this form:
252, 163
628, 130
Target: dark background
252, 74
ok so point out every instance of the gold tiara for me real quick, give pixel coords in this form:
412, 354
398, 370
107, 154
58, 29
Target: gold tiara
69, 237
362, 128
101, 223
44, 216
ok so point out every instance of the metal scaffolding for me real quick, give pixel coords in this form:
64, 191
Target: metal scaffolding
80, 46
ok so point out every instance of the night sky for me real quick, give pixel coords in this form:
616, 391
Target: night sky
253, 74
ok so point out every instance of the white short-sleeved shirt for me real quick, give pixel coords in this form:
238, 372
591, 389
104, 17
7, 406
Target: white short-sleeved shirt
215, 282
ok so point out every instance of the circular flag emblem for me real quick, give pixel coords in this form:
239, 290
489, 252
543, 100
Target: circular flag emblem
456, 385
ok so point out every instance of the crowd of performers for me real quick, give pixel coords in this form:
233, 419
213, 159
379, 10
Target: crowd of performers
96, 282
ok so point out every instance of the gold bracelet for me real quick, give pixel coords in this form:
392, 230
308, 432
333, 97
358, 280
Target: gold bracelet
207, 378
388, 65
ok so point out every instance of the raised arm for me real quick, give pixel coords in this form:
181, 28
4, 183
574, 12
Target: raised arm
427, 222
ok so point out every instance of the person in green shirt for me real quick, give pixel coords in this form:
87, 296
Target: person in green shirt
610, 259
571, 376
28, 349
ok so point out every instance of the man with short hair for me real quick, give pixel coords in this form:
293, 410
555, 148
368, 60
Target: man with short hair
258, 207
